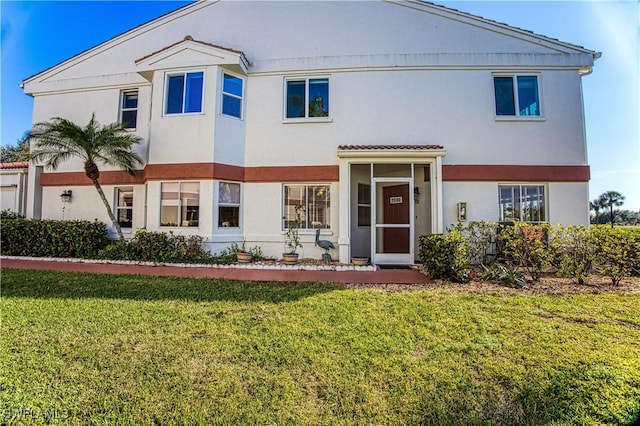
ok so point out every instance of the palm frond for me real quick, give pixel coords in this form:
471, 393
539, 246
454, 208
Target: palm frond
60, 139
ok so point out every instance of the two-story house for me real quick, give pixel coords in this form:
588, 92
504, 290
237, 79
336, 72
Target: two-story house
385, 120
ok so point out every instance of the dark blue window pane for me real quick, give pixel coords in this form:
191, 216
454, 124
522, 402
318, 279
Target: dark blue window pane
231, 106
130, 100
129, 119
232, 85
175, 93
528, 101
319, 97
295, 99
505, 104
193, 101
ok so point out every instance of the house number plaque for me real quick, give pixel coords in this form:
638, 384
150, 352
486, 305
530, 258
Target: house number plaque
395, 200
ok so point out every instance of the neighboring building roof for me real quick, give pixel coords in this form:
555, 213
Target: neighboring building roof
15, 165
385, 147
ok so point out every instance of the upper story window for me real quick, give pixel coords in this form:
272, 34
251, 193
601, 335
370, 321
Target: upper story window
232, 94
307, 97
184, 93
517, 95
524, 203
129, 109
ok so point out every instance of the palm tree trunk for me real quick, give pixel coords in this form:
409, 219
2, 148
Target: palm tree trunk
106, 204
611, 210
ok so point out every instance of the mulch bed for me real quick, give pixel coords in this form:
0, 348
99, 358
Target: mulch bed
550, 285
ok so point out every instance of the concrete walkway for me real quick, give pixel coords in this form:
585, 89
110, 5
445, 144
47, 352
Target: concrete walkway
380, 276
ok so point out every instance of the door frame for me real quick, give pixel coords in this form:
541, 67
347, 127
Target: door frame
349, 155
392, 258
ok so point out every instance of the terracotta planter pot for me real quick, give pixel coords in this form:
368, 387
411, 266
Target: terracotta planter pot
244, 257
290, 258
360, 261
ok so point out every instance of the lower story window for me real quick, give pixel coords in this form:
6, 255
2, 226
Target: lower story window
316, 201
524, 203
228, 205
124, 207
364, 204
180, 204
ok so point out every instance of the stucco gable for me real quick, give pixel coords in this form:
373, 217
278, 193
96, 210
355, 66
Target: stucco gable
191, 53
276, 31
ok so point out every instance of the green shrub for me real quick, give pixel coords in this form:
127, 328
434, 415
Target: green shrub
159, 247
618, 252
52, 238
573, 251
480, 238
445, 256
8, 214
501, 273
526, 247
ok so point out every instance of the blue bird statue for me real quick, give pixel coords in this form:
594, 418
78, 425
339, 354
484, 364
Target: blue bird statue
326, 245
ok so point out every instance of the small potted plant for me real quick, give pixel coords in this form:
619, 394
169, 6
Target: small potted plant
242, 254
291, 237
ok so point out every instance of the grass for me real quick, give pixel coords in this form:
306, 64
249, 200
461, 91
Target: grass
98, 349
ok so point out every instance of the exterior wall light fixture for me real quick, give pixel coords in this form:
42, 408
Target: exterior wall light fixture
66, 196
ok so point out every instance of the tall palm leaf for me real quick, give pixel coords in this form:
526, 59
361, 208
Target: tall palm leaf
59, 140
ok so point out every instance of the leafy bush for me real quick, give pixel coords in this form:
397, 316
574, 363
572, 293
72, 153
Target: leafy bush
159, 247
573, 251
52, 238
527, 248
480, 238
9, 214
503, 274
618, 252
445, 256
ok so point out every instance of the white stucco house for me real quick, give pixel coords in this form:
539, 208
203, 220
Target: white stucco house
387, 120
13, 186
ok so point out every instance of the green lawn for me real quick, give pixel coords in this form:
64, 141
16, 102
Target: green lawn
98, 349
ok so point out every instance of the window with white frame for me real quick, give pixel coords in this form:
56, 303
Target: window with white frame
184, 92
180, 203
129, 109
316, 201
228, 205
232, 95
516, 95
524, 203
306, 98
364, 204
124, 207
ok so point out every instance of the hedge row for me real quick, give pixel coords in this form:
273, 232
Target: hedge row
52, 238
159, 247
520, 252
83, 239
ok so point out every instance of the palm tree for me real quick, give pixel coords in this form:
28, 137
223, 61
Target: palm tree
596, 205
610, 199
60, 140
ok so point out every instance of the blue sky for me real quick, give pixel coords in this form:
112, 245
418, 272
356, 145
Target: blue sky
39, 34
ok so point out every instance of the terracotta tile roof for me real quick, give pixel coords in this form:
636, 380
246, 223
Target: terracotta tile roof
372, 147
15, 165
189, 38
